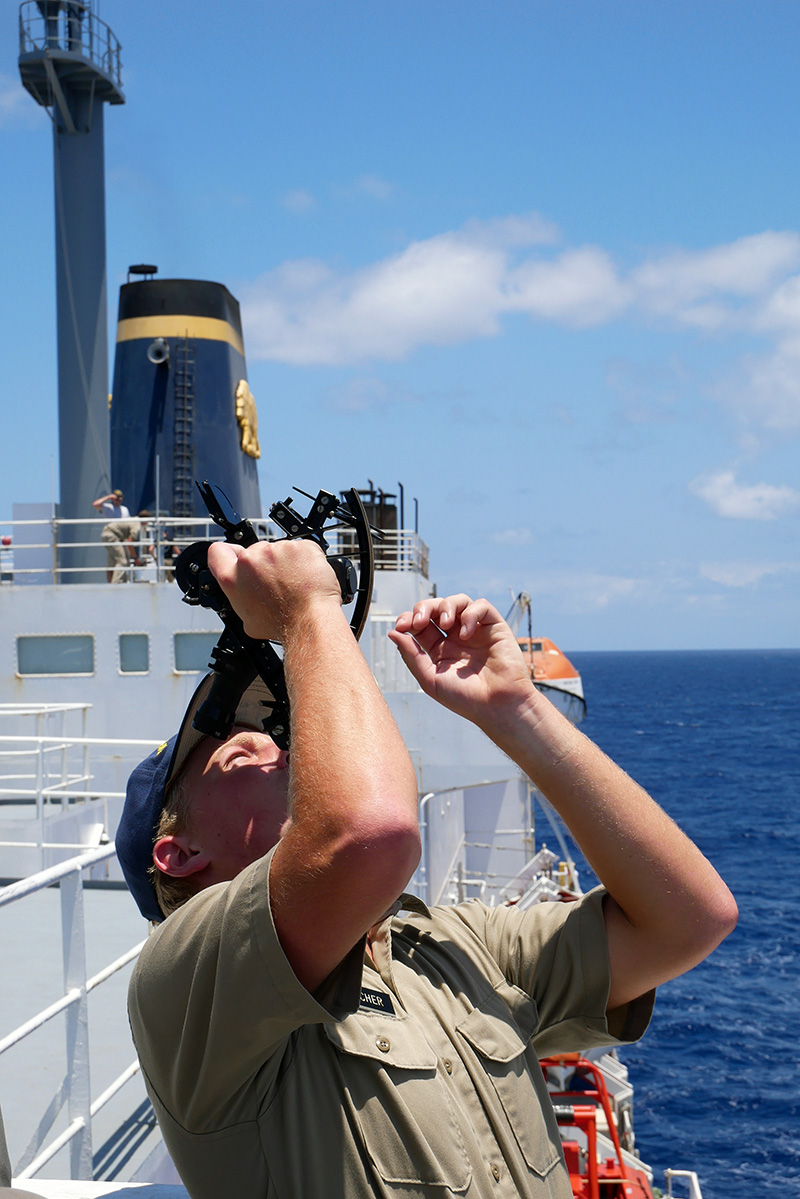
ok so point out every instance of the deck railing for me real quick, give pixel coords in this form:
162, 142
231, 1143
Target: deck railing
49, 769
475, 841
75, 1093
46, 764
31, 550
688, 1177
71, 29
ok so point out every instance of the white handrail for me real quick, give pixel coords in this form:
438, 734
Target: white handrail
54, 874
77, 987
689, 1176
33, 553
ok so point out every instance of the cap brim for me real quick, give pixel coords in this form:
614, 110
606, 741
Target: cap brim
250, 711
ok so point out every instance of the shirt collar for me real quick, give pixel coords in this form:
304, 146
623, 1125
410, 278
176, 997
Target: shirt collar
380, 935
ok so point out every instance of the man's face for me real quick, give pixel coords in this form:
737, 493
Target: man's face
239, 792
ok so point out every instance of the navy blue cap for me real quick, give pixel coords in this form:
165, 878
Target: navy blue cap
147, 789
136, 834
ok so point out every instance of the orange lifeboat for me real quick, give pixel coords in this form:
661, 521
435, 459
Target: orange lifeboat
551, 670
554, 675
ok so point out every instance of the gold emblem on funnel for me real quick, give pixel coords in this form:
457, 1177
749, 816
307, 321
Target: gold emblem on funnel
248, 419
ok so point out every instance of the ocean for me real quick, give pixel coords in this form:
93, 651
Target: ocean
715, 738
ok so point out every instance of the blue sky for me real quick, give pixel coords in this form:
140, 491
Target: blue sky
539, 262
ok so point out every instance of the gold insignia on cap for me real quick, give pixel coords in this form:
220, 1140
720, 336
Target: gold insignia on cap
248, 419
162, 747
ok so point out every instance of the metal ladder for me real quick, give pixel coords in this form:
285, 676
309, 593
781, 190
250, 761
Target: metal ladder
183, 430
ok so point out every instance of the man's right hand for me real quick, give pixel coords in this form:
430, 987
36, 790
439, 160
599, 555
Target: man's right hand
273, 583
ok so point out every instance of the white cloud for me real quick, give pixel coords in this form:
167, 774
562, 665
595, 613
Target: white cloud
373, 186
581, 287
765, 388
363, 394
584, 592
299, 200
436, 292
522, 536
682, 285
568, 592
782, 308
446, 289
758, 501
17, 108
513, 232
743, 574
462, 285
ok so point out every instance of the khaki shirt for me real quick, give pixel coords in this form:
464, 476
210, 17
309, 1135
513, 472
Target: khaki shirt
122, 530
414, 1076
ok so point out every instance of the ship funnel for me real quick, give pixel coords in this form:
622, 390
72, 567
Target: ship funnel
182, 409
158, 352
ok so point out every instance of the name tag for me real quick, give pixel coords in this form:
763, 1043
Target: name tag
376, 1001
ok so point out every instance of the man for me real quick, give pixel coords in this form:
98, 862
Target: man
118, 535
111, 506
301, 1037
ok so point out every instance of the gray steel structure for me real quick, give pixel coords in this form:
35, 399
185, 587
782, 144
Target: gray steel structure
69, 61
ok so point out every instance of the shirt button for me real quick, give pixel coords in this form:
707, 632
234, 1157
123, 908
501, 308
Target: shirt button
496, 1173
384, 1044
448, 1065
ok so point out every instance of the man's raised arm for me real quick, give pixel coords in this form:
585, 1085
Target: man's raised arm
667, 907
352, 839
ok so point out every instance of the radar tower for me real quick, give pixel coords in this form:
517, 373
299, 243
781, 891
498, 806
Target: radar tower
69, 61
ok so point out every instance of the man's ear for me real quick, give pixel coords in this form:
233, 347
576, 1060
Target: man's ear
176, 857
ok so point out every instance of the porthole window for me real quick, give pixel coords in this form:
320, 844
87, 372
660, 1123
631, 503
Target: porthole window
134, 653
55, 653
193, 650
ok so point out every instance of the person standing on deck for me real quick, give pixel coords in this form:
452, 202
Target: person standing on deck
305, 1028
111, 506
117, 535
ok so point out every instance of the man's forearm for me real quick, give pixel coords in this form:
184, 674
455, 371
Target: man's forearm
348, 758
353, 840
672, 907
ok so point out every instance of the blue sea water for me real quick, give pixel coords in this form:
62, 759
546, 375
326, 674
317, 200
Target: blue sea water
715, 738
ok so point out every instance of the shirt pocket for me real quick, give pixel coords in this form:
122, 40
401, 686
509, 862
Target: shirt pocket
398, 1103
502, 1043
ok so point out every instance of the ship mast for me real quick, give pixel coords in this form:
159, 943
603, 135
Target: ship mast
69, 61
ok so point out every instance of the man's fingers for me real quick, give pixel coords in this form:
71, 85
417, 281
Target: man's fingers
455, 615
443, 611
224, 549
477, 612
223, 559
414, 656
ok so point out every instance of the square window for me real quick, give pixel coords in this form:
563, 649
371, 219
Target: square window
193, 650
134, 653
59, 653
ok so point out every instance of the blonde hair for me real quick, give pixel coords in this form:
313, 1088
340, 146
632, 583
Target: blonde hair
172, 892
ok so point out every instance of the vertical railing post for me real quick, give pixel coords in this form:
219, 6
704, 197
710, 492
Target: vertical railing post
64, 762
85, 762
39, 787
73, 942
